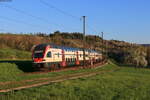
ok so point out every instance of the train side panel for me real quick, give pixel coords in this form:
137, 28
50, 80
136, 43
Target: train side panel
55, 57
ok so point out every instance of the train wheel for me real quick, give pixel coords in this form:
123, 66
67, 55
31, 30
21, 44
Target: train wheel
57, 66
53, 66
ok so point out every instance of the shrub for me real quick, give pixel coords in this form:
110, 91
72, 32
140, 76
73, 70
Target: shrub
8, 70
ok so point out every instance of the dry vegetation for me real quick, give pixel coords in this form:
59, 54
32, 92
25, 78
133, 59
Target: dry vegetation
121, 51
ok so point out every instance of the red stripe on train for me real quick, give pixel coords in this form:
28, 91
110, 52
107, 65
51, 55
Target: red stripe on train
63, 63
38, 60
77, 61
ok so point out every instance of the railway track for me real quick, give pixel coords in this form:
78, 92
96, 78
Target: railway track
67, 68
46, 81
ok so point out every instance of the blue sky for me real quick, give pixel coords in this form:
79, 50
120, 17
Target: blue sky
126, 20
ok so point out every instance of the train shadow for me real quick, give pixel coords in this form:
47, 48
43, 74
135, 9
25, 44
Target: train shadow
25, 66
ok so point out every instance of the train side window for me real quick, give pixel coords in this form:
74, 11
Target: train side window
49, 54
68, 59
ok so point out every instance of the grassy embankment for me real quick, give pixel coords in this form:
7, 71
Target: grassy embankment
11, 73
14, 54
123, 84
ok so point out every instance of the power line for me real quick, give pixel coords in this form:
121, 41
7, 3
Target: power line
17, 21
28, 14
23, 12
43, 19
91, 28
64, 12
59, 10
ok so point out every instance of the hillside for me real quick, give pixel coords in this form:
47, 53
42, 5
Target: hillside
119, 50
26, 41
146, 45
14, 54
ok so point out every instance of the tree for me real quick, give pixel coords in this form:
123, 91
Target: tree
148, 55
137, 57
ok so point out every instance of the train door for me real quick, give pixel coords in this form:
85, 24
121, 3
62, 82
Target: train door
49, 56
54, 57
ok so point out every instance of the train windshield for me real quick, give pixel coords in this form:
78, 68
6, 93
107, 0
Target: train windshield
38, 50
40, 47
38, 55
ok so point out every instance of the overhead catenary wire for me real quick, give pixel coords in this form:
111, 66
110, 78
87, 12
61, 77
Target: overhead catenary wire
18, 21
33, 16
65, 13
43, 19
29, 14
59, 10
91, 28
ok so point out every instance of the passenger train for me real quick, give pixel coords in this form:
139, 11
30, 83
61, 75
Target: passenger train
51, 56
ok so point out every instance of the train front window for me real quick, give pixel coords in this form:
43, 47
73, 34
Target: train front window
38, 55
49, 54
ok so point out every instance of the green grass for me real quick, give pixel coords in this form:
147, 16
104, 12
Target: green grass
123, 84
26, 66
51, 75
8, 70
8, 53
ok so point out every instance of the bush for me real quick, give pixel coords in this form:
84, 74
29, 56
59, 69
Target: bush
8, 70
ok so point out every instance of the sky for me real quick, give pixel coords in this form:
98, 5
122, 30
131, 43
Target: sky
125, 20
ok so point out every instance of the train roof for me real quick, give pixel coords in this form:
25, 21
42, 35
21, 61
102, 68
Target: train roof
41, 46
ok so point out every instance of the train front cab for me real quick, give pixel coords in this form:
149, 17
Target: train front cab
51, 58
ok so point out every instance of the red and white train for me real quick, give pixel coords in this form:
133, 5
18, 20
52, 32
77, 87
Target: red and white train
52, 56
